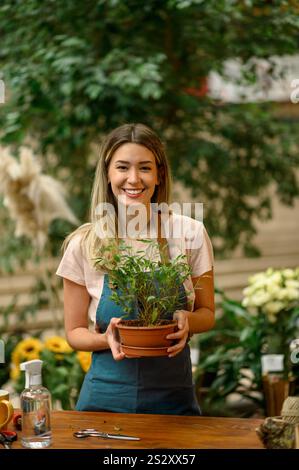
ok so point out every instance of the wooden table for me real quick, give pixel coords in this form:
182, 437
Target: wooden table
155, 431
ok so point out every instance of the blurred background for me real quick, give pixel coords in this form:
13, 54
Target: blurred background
219, 82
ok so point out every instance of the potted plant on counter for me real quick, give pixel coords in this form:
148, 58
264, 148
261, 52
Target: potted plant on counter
149, 291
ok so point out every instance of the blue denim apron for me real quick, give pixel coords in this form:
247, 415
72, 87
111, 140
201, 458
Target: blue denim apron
154, 385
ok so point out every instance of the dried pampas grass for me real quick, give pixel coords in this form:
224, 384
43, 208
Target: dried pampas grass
32, 198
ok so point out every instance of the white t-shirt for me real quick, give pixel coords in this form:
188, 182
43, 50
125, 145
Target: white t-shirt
193, 240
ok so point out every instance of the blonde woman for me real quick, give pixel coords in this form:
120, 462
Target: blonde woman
133, 170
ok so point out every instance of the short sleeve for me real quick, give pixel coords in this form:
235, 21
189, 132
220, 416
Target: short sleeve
201, 256
72, 266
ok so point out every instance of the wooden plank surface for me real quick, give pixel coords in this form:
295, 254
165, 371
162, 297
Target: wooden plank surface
155, 431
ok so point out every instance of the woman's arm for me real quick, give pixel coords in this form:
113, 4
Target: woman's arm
76, 303
203, 316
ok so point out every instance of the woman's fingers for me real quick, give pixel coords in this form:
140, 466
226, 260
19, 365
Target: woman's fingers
114, 321
117, 354
114, 342
181, 335
183, 325
181, 317
177, 348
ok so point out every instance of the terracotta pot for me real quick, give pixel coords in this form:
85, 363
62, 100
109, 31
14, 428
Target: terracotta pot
145, 341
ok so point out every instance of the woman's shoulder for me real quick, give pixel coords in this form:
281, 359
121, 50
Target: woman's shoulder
75, 240
75, 264
186, 220
189, 229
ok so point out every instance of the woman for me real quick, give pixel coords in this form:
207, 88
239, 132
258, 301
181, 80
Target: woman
133, 171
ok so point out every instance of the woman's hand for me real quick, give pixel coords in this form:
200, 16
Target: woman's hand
181, 335
112, 336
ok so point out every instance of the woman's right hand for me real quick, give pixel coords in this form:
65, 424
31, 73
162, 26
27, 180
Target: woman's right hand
113, 340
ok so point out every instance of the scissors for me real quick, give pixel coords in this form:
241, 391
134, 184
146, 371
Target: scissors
7, 438
82, 433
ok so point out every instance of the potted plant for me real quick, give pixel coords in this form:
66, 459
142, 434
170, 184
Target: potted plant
266, 321
149, 291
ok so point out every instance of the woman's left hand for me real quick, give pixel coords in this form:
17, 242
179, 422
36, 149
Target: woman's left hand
181, 335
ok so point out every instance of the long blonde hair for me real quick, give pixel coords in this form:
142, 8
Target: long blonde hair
101, 191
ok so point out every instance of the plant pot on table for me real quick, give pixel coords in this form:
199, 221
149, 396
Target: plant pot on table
145, 341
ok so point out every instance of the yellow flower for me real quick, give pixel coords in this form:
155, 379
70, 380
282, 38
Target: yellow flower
26, 350
84, 358
15, 356
58, 345
15, 372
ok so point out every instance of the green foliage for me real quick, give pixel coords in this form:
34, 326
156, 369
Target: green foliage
75, 70
231, 353
63, 369
150, 288
62, 376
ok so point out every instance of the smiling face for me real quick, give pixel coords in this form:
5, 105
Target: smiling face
133, 174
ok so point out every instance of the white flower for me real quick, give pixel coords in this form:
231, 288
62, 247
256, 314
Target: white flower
292, 283
291, 293
289, 273
273, 289
245, 302
276, 277
272, 318
273, 307
248, 291
259, 299
282, 294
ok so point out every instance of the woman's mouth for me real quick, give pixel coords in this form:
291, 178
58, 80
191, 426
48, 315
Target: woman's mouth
133, 193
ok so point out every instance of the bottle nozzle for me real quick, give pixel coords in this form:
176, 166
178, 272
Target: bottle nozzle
33, 371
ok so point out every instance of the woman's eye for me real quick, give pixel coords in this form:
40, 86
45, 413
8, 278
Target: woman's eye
146, 168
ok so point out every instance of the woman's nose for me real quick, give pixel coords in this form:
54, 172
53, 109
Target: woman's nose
133, 176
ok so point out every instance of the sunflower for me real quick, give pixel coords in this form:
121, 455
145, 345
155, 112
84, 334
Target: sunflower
26, 350
14, 372
84, 358
58, 345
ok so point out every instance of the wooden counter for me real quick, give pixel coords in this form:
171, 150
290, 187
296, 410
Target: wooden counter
155, 431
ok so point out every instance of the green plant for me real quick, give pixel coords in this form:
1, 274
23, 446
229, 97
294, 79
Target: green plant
63, 368
231, 353
148, 287
10, 342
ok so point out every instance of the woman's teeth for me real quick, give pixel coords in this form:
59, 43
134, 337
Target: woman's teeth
133, 191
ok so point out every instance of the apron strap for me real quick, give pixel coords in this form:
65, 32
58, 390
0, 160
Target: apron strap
162, 242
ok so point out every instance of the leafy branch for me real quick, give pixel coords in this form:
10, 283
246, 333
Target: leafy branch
145, 287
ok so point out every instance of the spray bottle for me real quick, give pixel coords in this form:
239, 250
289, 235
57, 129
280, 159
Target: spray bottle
36, 407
